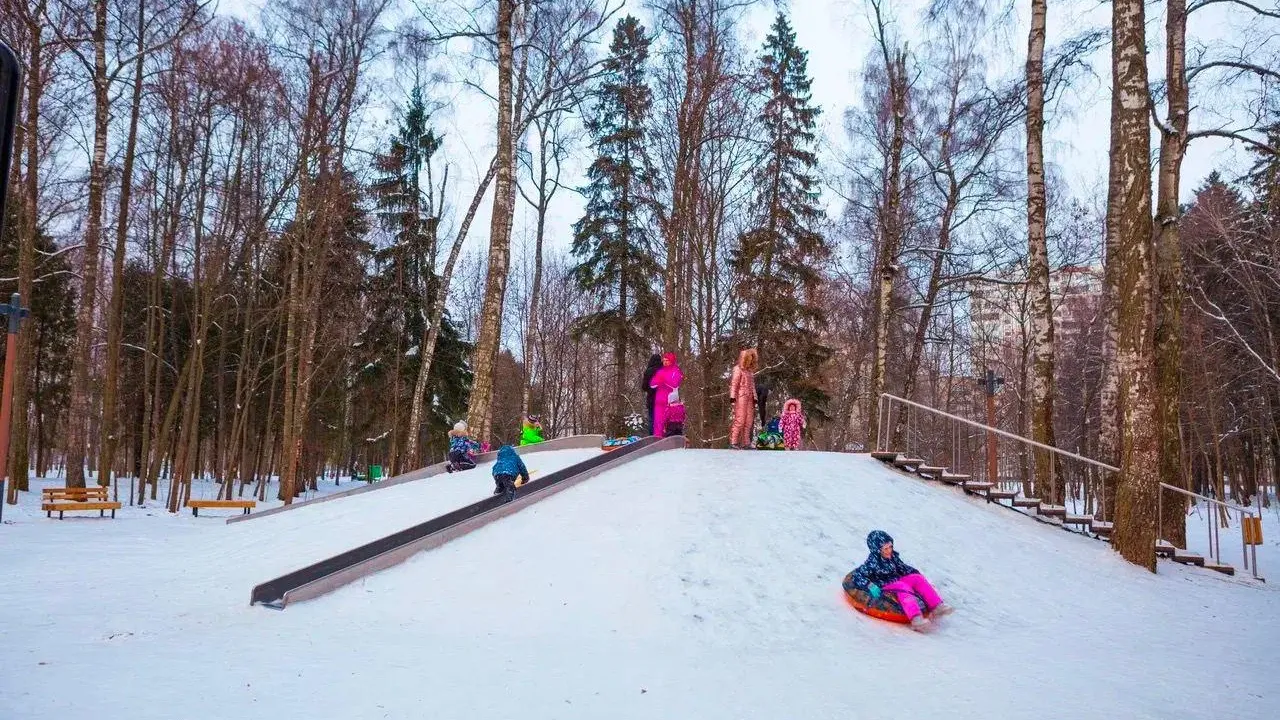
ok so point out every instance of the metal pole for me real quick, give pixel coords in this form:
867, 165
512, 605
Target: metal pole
992, 469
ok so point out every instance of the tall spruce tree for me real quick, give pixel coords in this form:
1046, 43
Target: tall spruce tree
403, 286
776, 262
614, 239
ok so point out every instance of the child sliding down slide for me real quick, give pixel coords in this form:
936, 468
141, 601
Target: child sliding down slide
885, 573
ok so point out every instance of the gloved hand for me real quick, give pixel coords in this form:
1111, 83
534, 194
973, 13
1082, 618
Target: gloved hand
875, 591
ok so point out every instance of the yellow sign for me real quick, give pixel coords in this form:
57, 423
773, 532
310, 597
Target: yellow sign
1252, 530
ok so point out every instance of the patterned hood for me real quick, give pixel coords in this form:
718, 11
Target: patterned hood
877, 569
876, 540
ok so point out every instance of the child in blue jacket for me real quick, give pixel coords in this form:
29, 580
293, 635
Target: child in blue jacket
505, 469
462, 449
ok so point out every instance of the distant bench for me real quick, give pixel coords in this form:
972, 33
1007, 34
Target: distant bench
64, 499
245, 505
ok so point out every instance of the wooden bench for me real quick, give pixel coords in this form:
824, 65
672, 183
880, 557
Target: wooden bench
245, 505
63, 499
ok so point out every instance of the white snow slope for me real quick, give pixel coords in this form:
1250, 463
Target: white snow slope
688, 584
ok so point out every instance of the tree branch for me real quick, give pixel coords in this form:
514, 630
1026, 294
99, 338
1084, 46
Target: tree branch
1203, 3
1234, 135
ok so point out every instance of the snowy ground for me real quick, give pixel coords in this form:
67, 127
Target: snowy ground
687, 584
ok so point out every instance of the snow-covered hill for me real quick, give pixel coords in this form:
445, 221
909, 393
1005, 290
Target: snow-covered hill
688, 584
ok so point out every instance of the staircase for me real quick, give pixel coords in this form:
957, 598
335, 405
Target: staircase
1009, 493
1035, 507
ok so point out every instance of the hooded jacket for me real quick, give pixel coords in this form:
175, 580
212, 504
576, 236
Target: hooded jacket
877, 570
509, 463
666, 380
743, 382
460, 442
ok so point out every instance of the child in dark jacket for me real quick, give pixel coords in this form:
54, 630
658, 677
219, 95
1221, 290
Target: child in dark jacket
885, 572
505, 469
462, 449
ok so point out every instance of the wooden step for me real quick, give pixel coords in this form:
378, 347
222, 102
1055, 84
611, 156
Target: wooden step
1026, 502
953, 479
1002, 494
1053, 510
885, 455
930, 470
1165, 549
909, 464
1188, 558
1224, 569
1085, 520
976, 486
1100, 526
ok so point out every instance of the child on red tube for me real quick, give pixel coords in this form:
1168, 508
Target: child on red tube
885, 572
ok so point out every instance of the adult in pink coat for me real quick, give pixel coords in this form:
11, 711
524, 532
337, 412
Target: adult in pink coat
666, 381
742, 393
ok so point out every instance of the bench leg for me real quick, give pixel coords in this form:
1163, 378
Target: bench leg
59, 514
102, 513
195, 512
113, 514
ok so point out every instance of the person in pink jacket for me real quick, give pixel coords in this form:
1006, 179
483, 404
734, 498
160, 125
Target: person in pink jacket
792, 424
666, 382
742, 393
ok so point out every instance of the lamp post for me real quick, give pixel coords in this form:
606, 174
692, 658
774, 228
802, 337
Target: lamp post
991, 383
10, 76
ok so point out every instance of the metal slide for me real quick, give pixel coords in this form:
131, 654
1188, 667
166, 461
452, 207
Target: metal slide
572, 442
334, 572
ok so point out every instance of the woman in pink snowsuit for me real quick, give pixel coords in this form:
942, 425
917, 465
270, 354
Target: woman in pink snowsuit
666, 381
742, 393
792, 424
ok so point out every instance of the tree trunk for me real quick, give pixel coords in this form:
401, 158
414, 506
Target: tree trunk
428, 349
1042, 360
1168, 259
490, 336
19, 443
111, 425
80, 406
890, 240
1129, 223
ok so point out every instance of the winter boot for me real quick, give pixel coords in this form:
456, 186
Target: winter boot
920, 623
942, 609
449, 468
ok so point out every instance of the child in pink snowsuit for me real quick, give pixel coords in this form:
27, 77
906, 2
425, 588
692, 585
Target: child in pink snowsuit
666, 381
742, 393
792, 423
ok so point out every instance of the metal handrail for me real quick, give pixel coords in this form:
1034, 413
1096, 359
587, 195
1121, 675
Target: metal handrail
885, 409
1215, 501
988, 428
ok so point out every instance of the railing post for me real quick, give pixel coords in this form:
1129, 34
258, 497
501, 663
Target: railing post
1159, 515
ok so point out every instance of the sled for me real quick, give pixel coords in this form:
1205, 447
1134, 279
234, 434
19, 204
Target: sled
612, 444
885, 608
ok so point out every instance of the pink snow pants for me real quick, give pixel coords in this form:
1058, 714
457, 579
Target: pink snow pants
790, 432
660, 418
905, 590
744, 415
